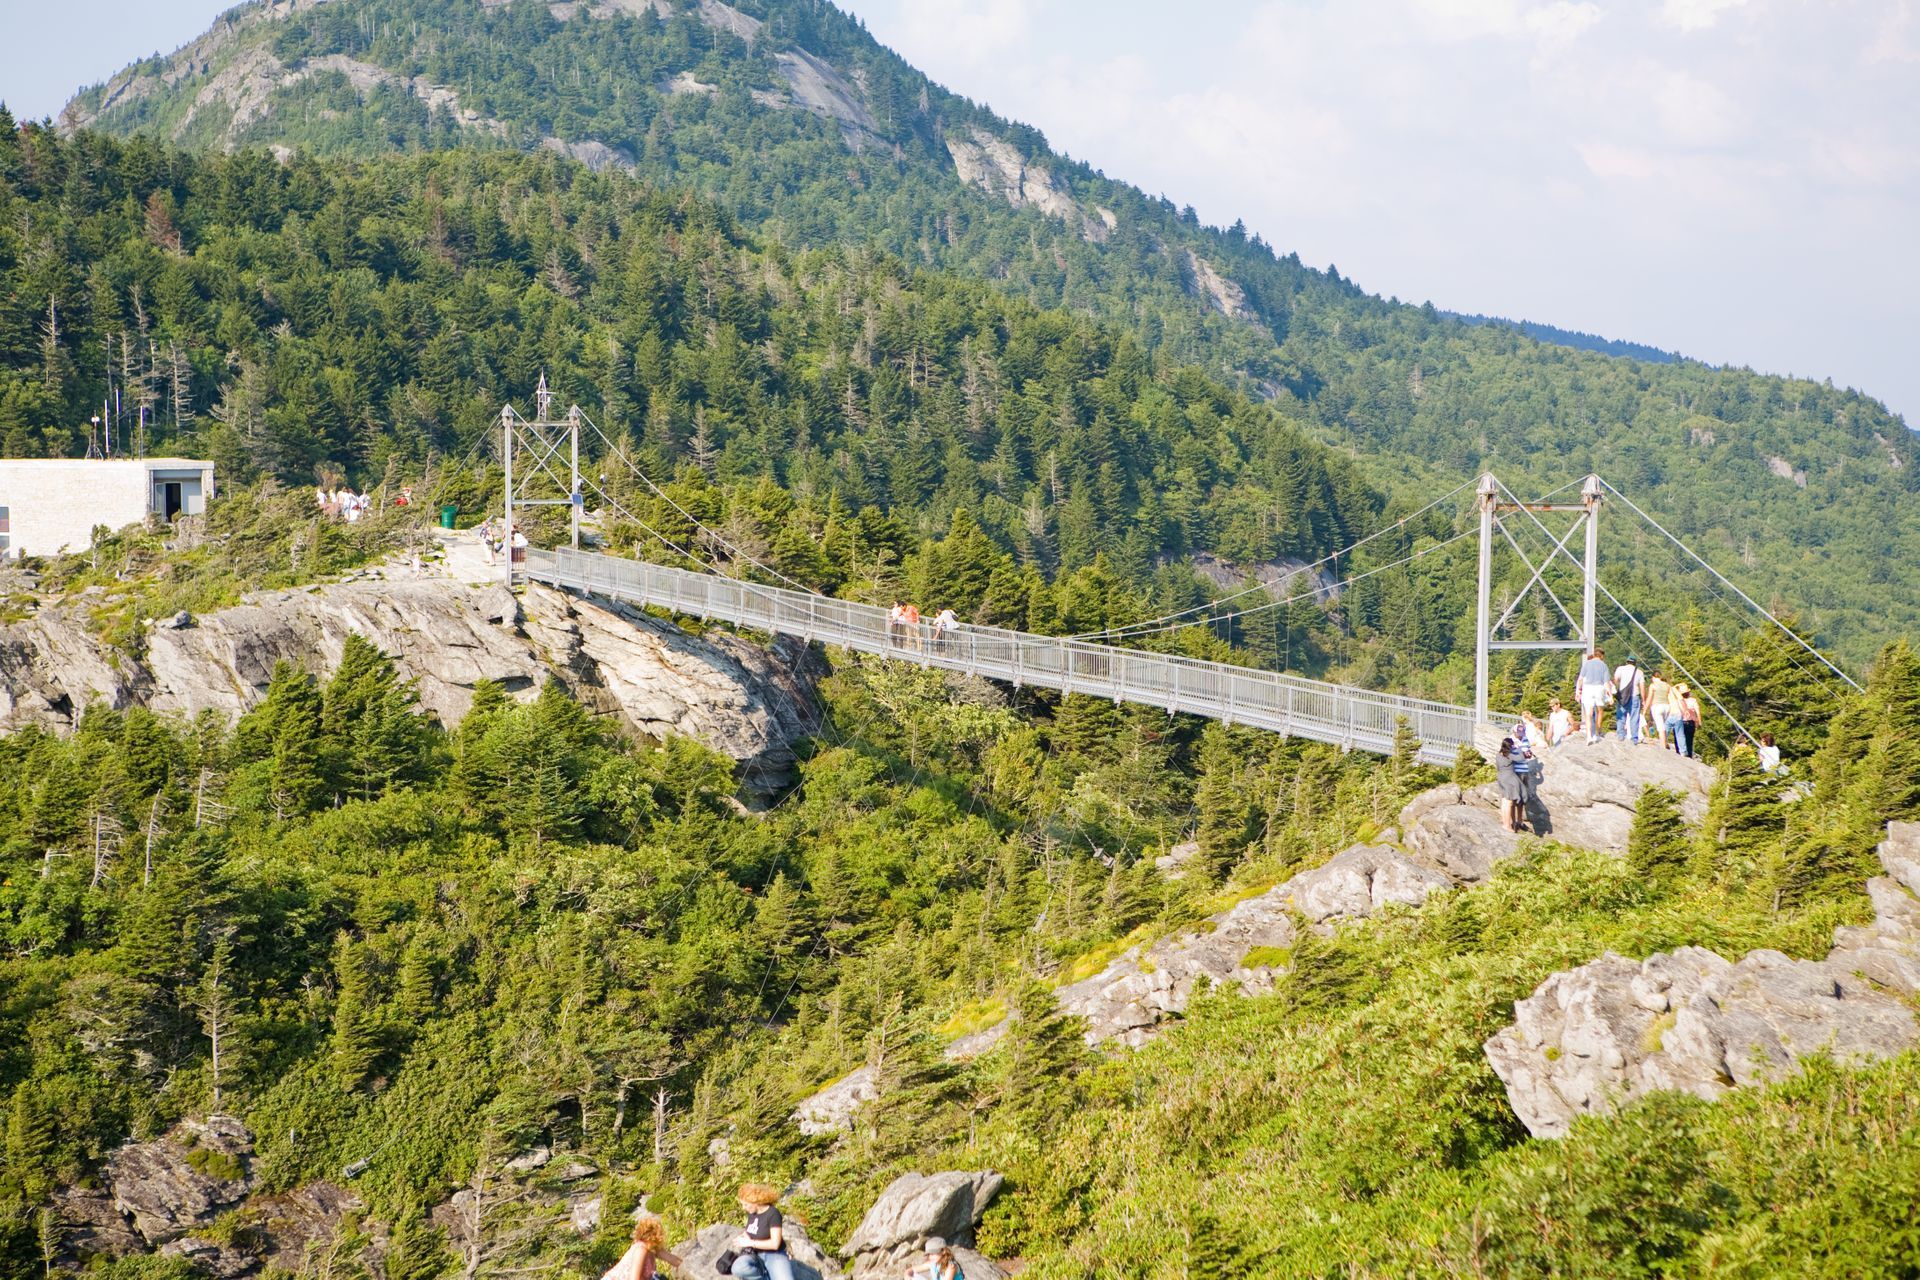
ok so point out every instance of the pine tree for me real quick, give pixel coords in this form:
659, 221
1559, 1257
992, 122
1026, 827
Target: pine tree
1225, 825
1039, 1061
1744, 820
32, 1142
280, 743
356, 1033
1657, 844
1403, 765
1470, 769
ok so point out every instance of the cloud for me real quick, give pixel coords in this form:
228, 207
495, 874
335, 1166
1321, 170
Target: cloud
1589, 162
973, 30
1695, 15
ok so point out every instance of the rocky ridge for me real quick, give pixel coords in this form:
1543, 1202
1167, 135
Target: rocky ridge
749, 702
237, 81
1447, 838
1591, 1039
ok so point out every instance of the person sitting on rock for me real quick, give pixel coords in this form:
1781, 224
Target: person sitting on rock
643, 1258
763, 1245
1559, 724
940, 1264
1769, 753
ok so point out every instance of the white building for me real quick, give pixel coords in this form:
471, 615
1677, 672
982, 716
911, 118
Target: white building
48, 505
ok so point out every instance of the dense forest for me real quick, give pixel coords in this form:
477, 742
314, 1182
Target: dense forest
1808, 489
334, 921
736, 238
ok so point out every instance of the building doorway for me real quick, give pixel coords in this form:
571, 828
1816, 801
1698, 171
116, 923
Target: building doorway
170, 500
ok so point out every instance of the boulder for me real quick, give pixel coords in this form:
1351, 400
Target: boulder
184, 1178
210, 1257
1361, 881
831, 1109
1886, 951
810, 1261
913, 1207
285, 1232
1463, 839
1592, 1038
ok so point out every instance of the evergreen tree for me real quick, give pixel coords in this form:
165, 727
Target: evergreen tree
1225, 825
1038, 1064
356, 1043
1657, 843
280, 745
1744, 820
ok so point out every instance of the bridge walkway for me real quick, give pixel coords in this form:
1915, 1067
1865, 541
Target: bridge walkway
1347, 717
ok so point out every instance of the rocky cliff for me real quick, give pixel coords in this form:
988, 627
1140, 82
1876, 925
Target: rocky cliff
749, 702
1445, 838
1591, 1039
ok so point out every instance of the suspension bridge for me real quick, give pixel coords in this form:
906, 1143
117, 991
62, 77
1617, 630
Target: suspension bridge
1096, 664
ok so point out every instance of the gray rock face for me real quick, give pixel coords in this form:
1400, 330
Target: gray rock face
1144, 985
1362, 881
745, 701
184, 1178
913, 1207
91, 1227
831, 1109
1592, 1038
810, 1261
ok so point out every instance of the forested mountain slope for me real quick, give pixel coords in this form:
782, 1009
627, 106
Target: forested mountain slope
800, 124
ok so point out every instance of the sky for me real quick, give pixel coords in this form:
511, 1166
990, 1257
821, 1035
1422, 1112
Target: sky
1738, 180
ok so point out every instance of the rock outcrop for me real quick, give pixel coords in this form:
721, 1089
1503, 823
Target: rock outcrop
991, 163
831, 1110
184, 1178
912, 1208
1591, 1039
1448, 838
744, 700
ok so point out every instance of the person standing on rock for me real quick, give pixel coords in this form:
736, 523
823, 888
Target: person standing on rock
1659, 697
643, 1258
1559, 724
1628, 685
1513, 787
1593, 691
1689, 720
763, 1245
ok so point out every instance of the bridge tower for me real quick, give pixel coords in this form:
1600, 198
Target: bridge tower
535, 446
1493, 519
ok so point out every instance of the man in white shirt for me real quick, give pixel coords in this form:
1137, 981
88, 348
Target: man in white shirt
943, 622
1593, 691
1628, 685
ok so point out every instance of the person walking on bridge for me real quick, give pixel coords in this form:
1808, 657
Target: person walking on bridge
1593, 691
1628, 684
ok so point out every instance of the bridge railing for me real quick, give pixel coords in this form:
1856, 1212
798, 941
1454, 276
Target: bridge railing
1345, 716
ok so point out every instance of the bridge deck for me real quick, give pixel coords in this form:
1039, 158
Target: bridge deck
1338, 714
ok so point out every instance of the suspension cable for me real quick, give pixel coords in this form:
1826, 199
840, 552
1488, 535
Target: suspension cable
688, 515
1149, 623
1126, 633
1628, 614
1701, 561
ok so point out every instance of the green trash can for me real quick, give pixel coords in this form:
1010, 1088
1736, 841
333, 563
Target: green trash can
447, 513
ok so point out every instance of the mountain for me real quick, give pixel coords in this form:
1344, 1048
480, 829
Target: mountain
809, 132
1574, 338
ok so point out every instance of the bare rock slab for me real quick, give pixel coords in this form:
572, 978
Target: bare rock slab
912, 1208
184, 1178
